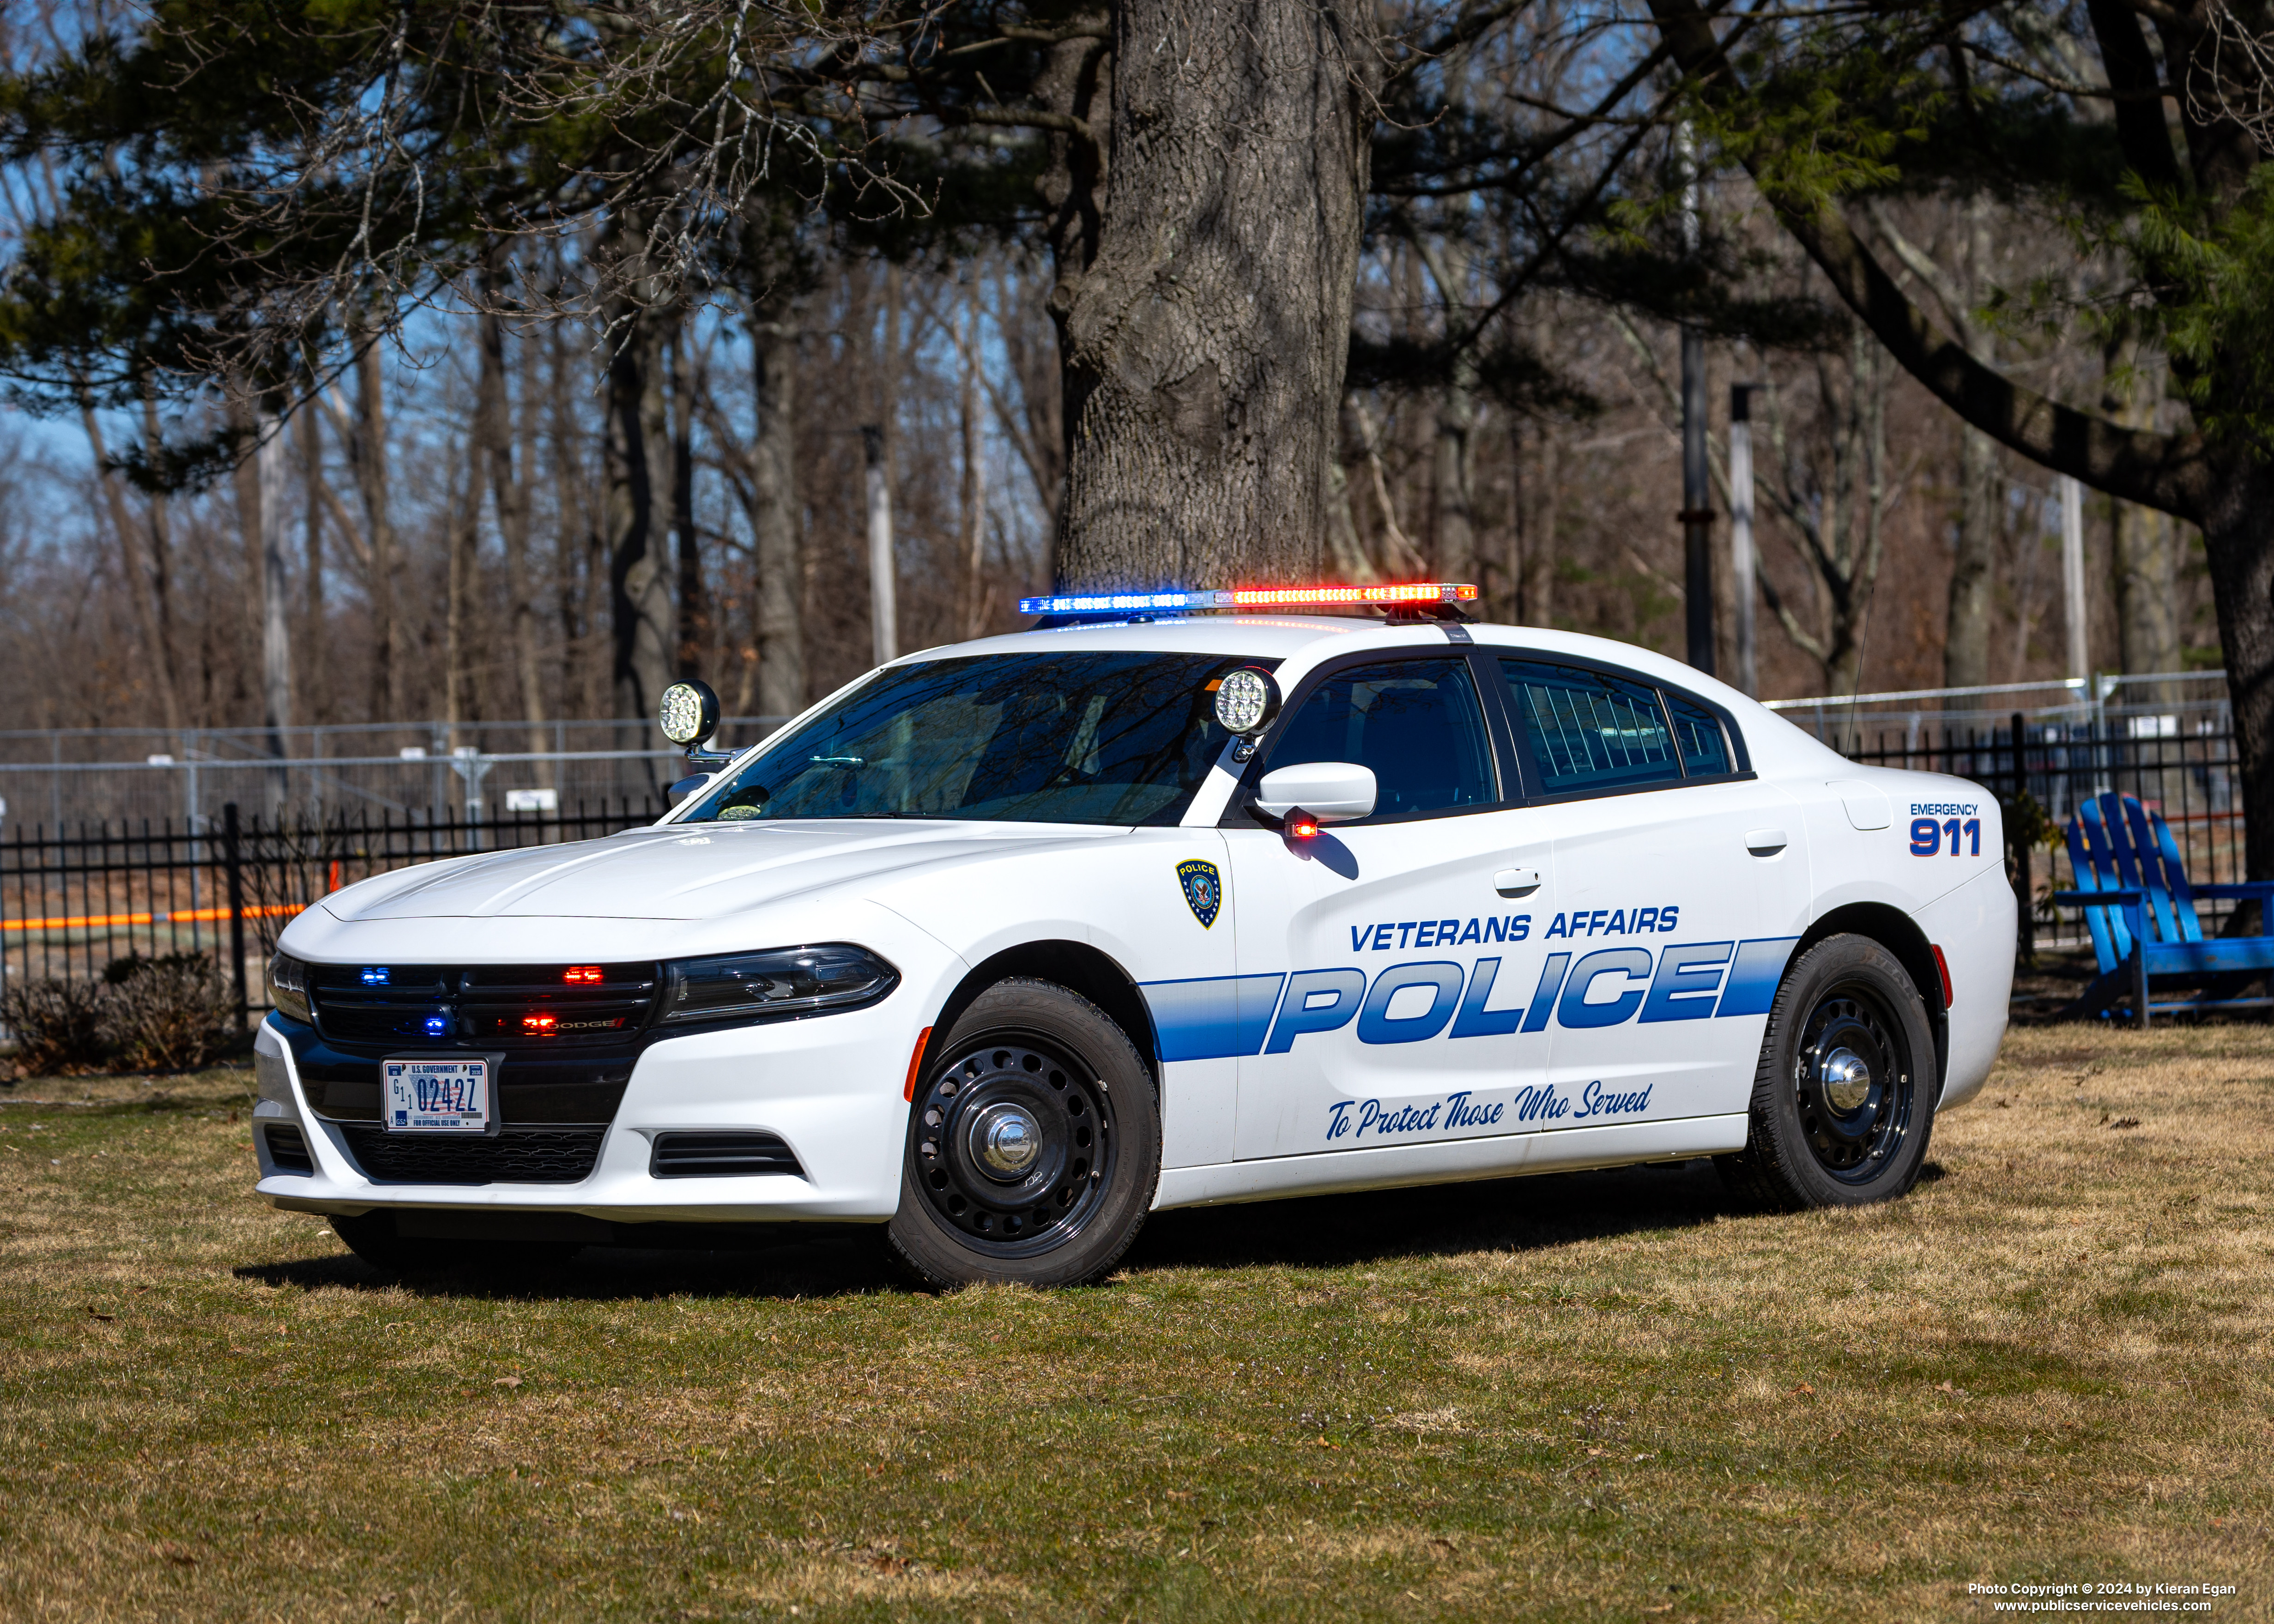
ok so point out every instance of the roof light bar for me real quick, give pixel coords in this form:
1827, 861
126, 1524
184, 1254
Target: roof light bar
1388, 596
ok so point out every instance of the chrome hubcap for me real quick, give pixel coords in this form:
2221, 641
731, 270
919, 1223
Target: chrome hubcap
1847, 1079
1004, 1140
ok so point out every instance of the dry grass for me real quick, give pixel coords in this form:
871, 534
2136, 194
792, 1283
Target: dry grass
1603, 1396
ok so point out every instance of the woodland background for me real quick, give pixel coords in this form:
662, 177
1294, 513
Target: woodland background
1546, 467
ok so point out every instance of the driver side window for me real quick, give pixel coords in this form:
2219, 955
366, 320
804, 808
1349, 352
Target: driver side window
1417, 723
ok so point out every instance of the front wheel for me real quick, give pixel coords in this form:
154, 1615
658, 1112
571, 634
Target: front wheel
1843, 1099
1034, 1144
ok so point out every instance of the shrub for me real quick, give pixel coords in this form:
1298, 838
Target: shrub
163, 1014
169, 1013
61, 1027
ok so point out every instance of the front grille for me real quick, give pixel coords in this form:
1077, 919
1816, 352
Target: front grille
552, 1156
526, 1009
721, 1156
290, 1152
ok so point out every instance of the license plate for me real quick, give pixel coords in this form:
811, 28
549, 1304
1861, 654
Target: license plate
435, 1096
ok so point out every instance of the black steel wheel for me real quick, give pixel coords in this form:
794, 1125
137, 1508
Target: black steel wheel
1033, 1144
1843, 1098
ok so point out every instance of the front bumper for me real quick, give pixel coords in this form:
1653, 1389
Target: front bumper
830, 1087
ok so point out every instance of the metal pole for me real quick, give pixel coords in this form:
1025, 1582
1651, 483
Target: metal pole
2072, 502
4, 907
884, 613
230, 856
2025, 922
1742, 563
1697, 496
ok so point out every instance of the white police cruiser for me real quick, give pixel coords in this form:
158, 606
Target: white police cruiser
1007, 944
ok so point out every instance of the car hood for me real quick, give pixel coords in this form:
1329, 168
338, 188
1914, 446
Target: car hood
689, 871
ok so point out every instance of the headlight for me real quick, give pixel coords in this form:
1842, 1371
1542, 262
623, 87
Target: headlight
781, 981
288, 987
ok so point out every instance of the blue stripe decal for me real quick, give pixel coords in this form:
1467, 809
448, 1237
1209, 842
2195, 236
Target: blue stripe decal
1753, 984
1215, 1018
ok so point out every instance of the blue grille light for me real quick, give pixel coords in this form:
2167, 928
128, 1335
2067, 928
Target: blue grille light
438, 1026
375, 977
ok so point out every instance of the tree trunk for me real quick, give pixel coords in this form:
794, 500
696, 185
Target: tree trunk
1966, 634
367, 451
461, 510
1536, 582
265, 541
694, 604
1204, 342
510, 499
2239, 544
316, 690
638, 450
139, 592
1453, 470
776, 520
2147, 594
974, 497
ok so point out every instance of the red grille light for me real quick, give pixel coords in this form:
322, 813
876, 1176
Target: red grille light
541, 1026
581, 974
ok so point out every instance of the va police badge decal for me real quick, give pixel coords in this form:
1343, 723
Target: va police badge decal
1203, 890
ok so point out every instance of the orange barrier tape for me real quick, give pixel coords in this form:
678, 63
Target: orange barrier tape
87, 921
103, 921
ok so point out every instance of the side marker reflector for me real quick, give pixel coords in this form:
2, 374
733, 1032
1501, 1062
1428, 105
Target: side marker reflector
915, 1065
1942, 967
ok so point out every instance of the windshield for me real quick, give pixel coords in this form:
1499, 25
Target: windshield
1058, 738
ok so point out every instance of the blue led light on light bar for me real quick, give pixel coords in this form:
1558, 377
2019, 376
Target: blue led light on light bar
1121, 603
1384, 595
375, 977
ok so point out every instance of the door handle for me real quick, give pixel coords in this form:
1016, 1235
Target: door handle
1765, 842
1516, 882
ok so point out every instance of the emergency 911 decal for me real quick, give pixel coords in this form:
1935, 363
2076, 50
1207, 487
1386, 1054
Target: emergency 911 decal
1227, 1016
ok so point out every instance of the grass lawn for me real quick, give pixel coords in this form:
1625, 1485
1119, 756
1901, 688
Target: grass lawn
1602, 1395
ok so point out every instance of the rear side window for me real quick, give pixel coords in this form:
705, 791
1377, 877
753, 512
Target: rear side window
1698, 736
1416, 722
1588, 730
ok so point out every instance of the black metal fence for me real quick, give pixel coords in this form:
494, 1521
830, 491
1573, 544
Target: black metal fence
2041, 770
75, 900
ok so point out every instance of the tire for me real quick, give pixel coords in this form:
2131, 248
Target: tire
1034, 1144
1843, 1099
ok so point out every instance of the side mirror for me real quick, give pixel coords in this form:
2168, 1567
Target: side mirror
1330, 791
687, 787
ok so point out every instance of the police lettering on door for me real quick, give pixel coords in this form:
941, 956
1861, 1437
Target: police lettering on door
1216, 1018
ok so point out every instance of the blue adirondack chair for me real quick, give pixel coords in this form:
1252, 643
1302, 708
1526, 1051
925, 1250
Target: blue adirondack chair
2142, 913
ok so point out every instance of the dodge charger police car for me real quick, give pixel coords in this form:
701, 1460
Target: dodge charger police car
1176, 900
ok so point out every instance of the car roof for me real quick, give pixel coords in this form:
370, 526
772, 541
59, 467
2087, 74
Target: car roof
1304, 638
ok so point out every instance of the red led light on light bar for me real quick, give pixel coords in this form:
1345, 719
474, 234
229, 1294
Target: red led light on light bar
1405, 592
580, 974
1111, 605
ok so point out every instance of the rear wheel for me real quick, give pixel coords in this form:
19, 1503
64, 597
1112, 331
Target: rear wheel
1843, 1099
1034, 1144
